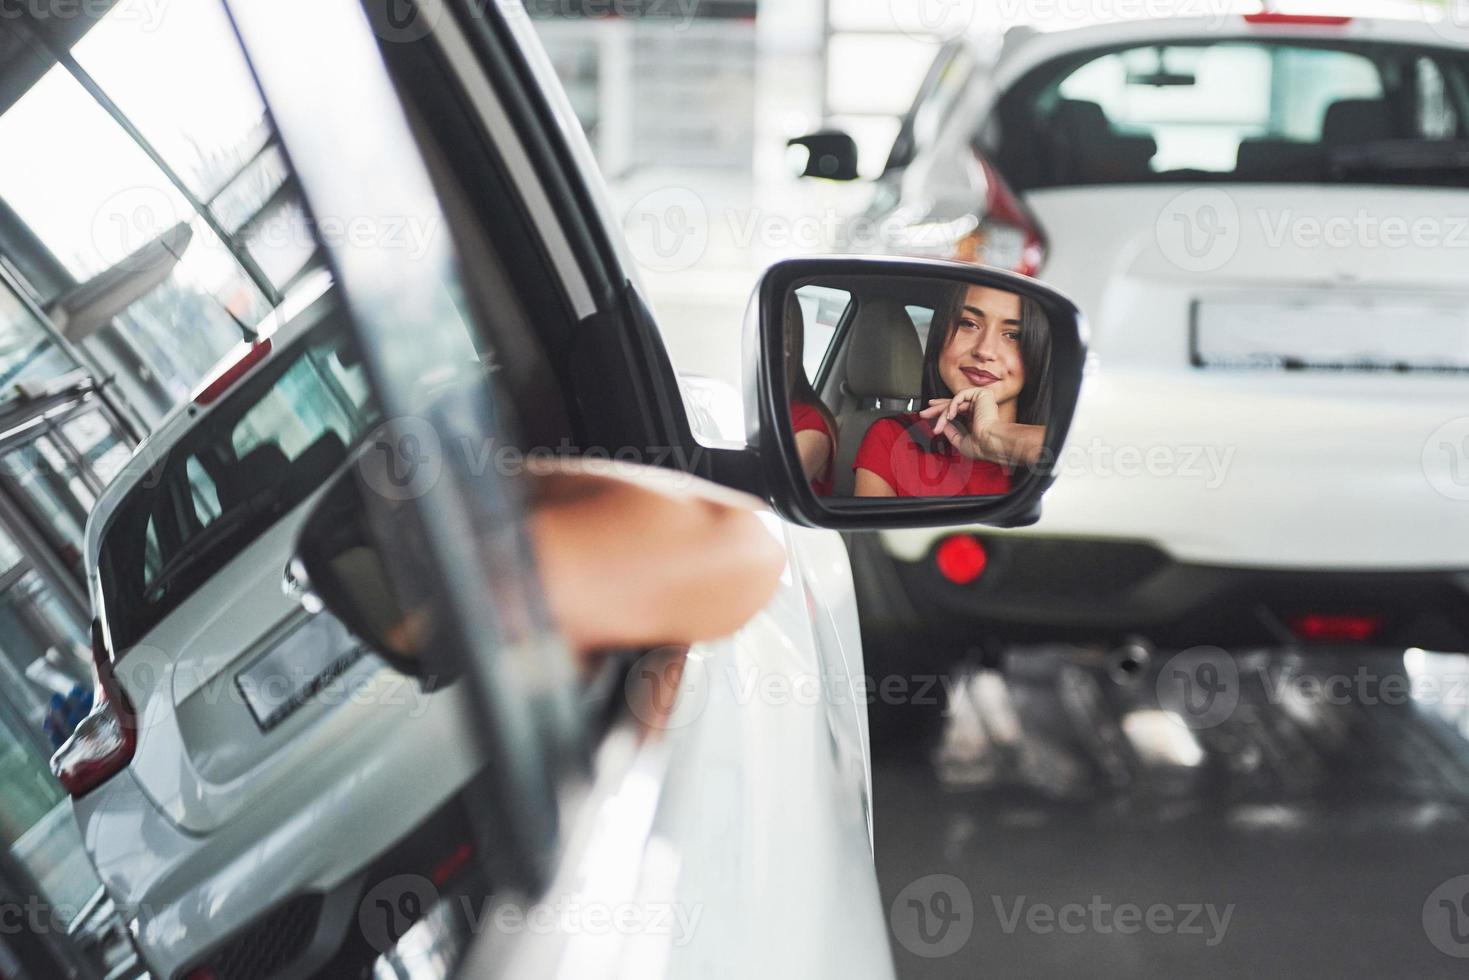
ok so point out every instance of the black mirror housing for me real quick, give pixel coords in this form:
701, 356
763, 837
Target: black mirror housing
769, 399
831, 154
341, 565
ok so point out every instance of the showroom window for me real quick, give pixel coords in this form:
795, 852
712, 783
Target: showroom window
145, 128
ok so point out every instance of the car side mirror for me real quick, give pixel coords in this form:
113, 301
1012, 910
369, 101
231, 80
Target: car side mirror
340, 566
907, 392
830, 153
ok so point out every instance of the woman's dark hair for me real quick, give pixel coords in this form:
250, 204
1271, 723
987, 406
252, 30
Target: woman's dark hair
1033, 406
798, 386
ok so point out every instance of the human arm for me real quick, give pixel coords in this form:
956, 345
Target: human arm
648, 557
971, 422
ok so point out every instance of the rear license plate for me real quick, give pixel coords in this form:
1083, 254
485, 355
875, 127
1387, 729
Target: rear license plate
1332, 333
317, 651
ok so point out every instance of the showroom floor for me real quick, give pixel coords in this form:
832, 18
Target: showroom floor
1301, 836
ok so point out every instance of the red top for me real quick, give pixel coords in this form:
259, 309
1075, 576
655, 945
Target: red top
804, 418
889, 451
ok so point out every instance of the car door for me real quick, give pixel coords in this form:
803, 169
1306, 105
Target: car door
726, 833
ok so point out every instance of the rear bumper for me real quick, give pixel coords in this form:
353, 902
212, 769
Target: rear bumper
307, 847
1077, 590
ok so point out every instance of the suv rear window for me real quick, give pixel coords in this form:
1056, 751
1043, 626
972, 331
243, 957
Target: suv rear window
1241, 111
261, 452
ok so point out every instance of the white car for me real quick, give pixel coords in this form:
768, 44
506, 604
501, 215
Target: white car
263, 797
1266, 218
231, 809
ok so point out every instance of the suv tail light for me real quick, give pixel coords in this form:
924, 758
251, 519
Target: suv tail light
227, 377
1002, 232
104, 741
1336, 627
1308, 20
1009, 234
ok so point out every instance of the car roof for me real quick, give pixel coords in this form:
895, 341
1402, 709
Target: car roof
299, 311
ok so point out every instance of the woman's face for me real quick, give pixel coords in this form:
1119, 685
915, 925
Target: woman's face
984, 348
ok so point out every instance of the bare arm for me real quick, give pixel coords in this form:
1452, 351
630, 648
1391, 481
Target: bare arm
815, 450
648, 557
869, 484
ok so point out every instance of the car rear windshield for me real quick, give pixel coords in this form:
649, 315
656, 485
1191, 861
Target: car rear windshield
1241, 111
258, 454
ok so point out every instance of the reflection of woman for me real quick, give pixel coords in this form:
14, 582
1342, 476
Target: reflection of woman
987, 392
814, 425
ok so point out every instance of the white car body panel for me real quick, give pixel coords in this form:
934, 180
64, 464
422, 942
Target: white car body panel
793, 893
1257, 500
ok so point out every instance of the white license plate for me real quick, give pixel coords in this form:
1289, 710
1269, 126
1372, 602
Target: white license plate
1333, 333
311, 656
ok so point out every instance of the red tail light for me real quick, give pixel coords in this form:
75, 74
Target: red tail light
1005, 214
961, 558
1336, 627
227, 377
103, 744
1310, 20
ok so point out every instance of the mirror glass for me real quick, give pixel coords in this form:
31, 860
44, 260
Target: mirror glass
904, 386
340, 566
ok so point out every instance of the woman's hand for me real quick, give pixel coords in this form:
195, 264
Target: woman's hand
971, 423
966, 421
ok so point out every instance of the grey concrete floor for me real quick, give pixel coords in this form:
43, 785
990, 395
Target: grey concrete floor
1064, 823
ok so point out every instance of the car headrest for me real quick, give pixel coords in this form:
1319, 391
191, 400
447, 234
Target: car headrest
1077, 118
1357, 121
262, 467
1275, 158
317, 461
885, 359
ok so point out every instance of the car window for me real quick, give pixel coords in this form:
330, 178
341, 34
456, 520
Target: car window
822, 308
261, 452
1238, 110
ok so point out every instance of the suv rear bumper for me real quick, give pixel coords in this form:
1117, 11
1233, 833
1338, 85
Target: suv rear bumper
1106, 591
